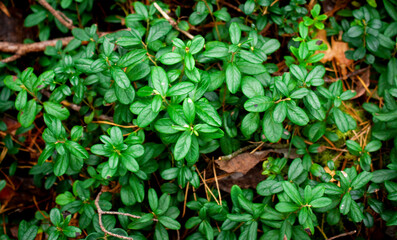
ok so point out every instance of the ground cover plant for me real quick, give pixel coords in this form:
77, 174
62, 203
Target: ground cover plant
202, 119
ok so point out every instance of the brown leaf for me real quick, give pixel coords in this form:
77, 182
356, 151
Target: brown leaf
336, 50
329, 55
242, 163
4, 9
360, 88
339, 48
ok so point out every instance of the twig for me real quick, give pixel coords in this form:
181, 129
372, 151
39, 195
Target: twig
77, 107
172, 21
342, 235
58, 15
114, 124
20, 49
206, 186
100, 213
352, 74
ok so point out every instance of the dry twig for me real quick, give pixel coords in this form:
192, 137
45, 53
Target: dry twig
20, 49
172, 21
67, 22
342, 235
352, 74
101, 212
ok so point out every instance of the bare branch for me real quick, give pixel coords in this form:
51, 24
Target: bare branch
172, 21
20, 49
100, 213
57, 14
342, 235
357, 72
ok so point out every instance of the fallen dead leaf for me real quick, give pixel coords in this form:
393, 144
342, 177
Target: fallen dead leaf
246, 169
339, 48
336, 50
242, 163
360, 88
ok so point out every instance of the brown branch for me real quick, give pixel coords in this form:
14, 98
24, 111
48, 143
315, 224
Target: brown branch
76, 107
342, 235
352, 74
58, 15
100, 213
20, 49
172, 21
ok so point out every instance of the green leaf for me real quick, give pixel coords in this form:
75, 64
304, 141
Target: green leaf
292, 192
27, 115
282, 87
146, 116
129, 162
340, 120
355, 212
383, 175
132, 57
35, 18
140, 9
239, 217
313, 100
182, 146
353, 146
159, 80
355, 31
189, 110
124, 95
55, 216
345, 204
258, 104
251, 87
272, 129
30, 233
169, 223
158, 30
21, 100
56, 110
251, 68
216, 52
180, 89
235, 33
297, 115
298, 72
208, 114
76, 149
373, 146
197, 44
386, 117
170, 58
233, 78
250, 124
61, 164
13, 83
361, 180
390, 9
189, 61
300, 93
295, 169
120, 77
320, 202
285, 207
